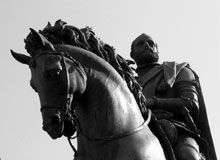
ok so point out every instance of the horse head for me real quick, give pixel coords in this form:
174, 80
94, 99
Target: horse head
57, 78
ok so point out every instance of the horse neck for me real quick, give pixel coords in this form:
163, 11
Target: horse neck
107, 107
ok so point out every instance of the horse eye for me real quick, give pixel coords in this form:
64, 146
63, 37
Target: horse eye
53, 74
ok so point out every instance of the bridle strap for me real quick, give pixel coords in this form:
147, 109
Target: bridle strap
72, 146
68, 96
121, 135
63, 54
67, 107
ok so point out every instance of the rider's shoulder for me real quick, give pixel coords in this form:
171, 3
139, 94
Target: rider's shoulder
186, 74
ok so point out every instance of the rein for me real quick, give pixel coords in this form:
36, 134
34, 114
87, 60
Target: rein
121, 135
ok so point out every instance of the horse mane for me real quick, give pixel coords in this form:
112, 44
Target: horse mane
85, 38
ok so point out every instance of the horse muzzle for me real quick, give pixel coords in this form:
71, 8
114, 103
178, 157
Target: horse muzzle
53, 125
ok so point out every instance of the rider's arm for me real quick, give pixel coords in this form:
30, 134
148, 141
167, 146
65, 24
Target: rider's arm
186, 95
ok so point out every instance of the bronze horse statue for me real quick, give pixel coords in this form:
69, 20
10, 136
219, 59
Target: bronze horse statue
75, 75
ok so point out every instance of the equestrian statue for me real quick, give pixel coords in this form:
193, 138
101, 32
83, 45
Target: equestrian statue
90, 93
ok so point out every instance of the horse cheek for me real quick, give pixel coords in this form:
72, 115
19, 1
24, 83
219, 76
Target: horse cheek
78, 82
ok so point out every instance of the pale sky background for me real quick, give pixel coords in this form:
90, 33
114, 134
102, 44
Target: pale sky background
185, 30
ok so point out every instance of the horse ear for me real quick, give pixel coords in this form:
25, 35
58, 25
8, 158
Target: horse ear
42, 40
21, 57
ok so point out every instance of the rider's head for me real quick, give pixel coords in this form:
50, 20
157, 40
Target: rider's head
144, 50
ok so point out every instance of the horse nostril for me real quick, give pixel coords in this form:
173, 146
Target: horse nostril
55, 119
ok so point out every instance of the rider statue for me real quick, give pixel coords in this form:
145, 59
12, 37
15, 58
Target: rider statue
174, 95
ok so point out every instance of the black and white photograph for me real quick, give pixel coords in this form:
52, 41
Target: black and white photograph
110, 80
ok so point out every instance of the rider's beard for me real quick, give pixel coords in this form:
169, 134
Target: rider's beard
147, 58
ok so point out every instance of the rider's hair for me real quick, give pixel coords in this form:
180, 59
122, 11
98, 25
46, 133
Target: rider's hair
85, 38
